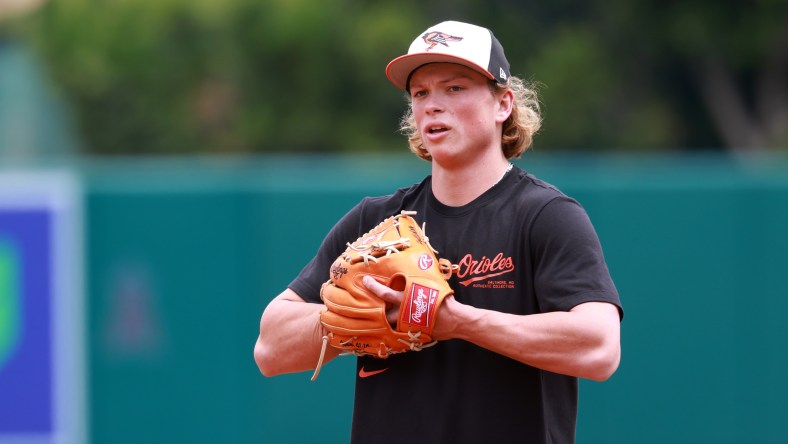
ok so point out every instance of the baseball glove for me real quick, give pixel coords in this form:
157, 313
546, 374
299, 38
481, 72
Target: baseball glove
396, 253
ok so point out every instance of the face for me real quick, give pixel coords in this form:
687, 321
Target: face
458, 116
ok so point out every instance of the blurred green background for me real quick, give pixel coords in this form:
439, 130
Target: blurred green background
217, 142
252, 76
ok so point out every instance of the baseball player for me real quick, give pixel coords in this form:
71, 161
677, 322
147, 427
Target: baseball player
533, 307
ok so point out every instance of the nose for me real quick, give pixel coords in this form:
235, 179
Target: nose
433, 105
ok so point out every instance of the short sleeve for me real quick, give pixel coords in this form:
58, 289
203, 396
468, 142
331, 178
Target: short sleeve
569, 265
308, 282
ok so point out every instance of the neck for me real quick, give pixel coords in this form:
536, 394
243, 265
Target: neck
460, 186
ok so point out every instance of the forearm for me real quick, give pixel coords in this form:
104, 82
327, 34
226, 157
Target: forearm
583, 342
290, 336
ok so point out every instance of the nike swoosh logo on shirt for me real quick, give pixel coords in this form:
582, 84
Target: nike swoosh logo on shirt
366, 374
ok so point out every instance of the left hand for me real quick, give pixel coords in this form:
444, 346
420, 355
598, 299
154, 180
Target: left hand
444, 325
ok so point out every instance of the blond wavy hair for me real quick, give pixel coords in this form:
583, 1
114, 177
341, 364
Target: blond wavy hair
518, 130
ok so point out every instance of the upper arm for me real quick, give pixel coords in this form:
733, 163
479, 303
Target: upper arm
603, 312
289, 338
603, 328
279, 306
288, 295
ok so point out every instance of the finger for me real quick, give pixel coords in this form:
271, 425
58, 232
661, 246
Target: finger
382, 291
392, 298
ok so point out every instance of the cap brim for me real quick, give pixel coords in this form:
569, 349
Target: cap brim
398, 70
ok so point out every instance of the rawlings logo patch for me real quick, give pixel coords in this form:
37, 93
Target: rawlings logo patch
421, 305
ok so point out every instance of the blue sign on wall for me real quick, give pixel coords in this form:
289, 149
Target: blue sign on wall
9, 300
41, 358
26, 370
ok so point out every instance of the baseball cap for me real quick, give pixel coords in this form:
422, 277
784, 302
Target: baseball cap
452, 42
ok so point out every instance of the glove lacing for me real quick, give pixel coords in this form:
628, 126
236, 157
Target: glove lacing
322, 356
414, 344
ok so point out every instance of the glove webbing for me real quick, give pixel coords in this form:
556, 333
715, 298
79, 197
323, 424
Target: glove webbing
375, 250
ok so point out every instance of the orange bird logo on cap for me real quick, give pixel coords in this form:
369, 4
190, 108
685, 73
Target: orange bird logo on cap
434, 38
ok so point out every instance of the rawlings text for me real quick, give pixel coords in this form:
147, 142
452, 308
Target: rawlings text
421, 305
337, 271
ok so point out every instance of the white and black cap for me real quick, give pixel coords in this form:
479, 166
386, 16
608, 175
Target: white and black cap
452, 42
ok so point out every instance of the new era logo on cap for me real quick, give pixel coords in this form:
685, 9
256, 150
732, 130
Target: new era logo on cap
452, 42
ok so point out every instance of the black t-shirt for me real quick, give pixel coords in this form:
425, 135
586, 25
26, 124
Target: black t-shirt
522, 247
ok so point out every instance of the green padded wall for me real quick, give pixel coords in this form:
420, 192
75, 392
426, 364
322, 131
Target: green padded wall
183, 255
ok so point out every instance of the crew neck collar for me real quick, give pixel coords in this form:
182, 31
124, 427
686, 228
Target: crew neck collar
511, 176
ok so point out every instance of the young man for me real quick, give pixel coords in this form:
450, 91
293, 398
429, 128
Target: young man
534, 307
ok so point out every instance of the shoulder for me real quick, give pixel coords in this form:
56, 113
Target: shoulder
543, 209
530, 195
536, 187
373, 209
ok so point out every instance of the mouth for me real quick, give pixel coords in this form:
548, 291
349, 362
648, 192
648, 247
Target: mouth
437, 129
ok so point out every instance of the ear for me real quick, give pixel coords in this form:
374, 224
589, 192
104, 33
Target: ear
505, 104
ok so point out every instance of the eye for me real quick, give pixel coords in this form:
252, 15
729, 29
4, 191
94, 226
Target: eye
455, 88
418, 93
